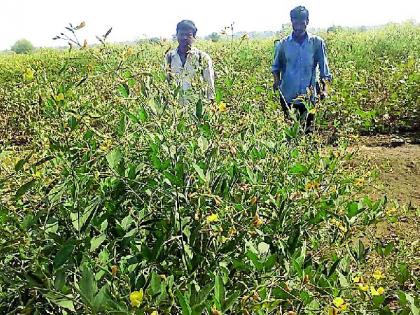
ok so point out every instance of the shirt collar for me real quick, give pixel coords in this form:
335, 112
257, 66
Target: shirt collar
307, 38
193, 51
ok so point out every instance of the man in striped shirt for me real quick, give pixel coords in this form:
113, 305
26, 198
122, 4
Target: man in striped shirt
189, 67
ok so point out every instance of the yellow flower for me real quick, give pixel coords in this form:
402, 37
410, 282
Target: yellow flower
356, 279
232, 231
311, 185
377, 274
37, 174
359, 182
257, 221
391, 210
222, 107
28, 75
338, 301
136, 297
129, 52
212, 218
154, 313
363, 287
375, 292
59, 97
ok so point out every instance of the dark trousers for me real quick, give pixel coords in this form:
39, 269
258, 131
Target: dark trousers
305, 117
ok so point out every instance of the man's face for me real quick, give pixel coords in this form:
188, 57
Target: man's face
299, 26
185, 37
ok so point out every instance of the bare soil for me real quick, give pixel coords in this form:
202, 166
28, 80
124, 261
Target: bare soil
397, 161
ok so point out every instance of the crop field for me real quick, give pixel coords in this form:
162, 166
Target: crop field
117, 198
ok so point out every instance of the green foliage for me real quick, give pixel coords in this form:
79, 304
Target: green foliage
22, 46
118, 187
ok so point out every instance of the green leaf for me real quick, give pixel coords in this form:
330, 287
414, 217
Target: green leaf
122, 125
334, 267
101, 299
185, 306
63, 255
60, 280
199, 172
156, 109
28, 221
255, 261
403, 273
298, 169
126, 222
24, 188
96, 241
87, 285
412, 302
81, 219
219, 292
143, 114
230, 301
388, 249
352, 209
270, 262
114, 158
402, 298
124, 90
19, 165
65, 303
72, 122
155, 283
203, 143
199, 299
378, 300
199, 109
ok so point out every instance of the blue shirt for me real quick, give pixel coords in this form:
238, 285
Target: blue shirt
297, 65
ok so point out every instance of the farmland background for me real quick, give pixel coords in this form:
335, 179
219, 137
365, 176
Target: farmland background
117, 199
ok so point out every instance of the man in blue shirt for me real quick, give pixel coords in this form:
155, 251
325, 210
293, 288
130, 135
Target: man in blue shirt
295, 65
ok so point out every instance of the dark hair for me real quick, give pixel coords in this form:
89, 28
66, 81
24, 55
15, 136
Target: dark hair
299, 12
186, 24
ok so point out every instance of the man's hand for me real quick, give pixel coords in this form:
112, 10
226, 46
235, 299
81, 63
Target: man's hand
324, 90
275, 86
276, 77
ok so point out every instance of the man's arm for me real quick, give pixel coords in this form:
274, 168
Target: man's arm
208, 76
167, 65
276, 70
277, 66
324, 71
276, 80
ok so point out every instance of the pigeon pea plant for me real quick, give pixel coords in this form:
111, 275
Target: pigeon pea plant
126, 200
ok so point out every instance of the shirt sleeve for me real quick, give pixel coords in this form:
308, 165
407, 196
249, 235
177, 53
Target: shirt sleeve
208, 76
324, 70
278, 60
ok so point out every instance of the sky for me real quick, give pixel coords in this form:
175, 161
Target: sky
39, 21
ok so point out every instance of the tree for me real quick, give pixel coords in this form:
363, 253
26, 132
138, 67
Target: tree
22, 46
214, 37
